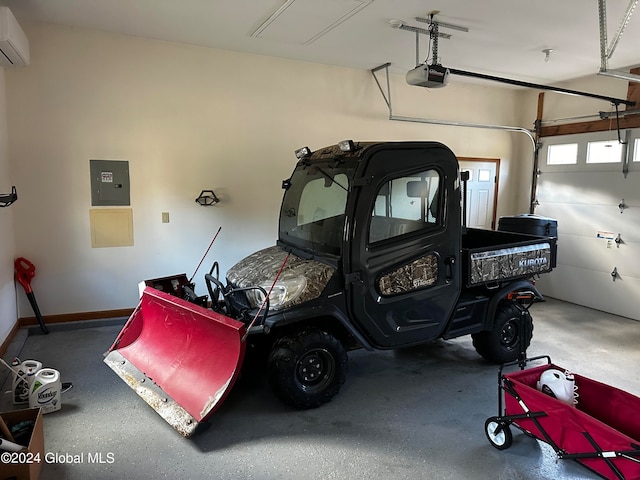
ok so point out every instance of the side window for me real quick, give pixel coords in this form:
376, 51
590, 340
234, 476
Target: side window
404, 205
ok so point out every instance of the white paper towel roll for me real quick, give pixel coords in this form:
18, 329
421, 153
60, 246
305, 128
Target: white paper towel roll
8, 446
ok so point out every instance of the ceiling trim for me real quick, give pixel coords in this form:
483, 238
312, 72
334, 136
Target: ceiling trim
289, 5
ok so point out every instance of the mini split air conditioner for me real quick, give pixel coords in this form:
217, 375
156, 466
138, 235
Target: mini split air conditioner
14, 45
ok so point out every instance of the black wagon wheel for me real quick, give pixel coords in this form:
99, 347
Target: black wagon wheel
307, 369
498, 433
502, 343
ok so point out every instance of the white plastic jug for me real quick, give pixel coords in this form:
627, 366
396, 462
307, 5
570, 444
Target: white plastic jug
45, 391
20, 386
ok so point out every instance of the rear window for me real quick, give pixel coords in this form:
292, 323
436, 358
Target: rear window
404, 205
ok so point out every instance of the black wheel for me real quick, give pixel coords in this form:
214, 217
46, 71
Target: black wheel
498, 433
502, 344
307, 369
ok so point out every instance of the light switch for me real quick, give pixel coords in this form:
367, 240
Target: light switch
165, 217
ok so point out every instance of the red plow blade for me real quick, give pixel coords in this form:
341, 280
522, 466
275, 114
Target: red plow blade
180, 358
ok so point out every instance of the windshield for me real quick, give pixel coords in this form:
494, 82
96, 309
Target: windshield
313, 208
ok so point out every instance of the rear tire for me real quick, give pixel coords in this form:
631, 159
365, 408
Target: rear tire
502, 343
307, 369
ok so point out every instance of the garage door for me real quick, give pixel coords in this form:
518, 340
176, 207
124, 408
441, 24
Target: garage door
590, 183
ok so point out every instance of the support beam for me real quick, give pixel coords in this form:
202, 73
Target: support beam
633, 92
630, 121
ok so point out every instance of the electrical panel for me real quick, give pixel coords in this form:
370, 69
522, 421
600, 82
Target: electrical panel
110, 182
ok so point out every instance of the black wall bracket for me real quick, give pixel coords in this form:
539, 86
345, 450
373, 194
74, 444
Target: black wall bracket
207, 198
7, 199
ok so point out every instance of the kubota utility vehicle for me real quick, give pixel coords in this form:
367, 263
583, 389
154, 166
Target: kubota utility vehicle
372, 252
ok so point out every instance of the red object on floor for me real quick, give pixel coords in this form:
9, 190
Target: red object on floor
605, 424
25, 271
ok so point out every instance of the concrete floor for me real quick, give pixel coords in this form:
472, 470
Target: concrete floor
418, 413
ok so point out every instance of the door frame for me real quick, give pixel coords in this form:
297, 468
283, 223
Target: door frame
495, 186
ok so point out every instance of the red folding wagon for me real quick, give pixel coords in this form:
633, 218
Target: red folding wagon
601, 431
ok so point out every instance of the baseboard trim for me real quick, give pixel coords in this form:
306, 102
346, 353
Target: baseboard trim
75, 317
61, 319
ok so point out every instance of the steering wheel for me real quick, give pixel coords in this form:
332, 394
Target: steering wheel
214, 291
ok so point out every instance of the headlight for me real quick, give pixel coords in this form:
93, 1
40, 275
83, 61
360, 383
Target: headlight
284, 292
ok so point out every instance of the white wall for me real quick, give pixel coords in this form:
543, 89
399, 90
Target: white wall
8, 313
190, 118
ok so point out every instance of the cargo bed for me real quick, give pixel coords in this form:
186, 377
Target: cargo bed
491, 257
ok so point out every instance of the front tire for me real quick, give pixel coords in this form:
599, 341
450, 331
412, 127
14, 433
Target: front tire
502, 343
307, 369
498, 433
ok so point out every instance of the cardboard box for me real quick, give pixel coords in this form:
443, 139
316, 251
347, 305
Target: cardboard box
33, 456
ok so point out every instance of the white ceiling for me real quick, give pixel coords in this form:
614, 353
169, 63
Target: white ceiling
505, 38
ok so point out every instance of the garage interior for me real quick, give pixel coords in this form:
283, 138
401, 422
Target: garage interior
188, 101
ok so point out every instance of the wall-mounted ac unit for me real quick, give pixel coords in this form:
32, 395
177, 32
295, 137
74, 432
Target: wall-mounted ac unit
14, 45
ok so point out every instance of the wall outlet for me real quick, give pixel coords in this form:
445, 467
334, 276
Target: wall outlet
165, 217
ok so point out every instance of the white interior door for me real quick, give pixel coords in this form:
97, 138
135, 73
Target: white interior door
481, 191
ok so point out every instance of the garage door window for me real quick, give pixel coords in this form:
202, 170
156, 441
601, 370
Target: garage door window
609, 151
562, 154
